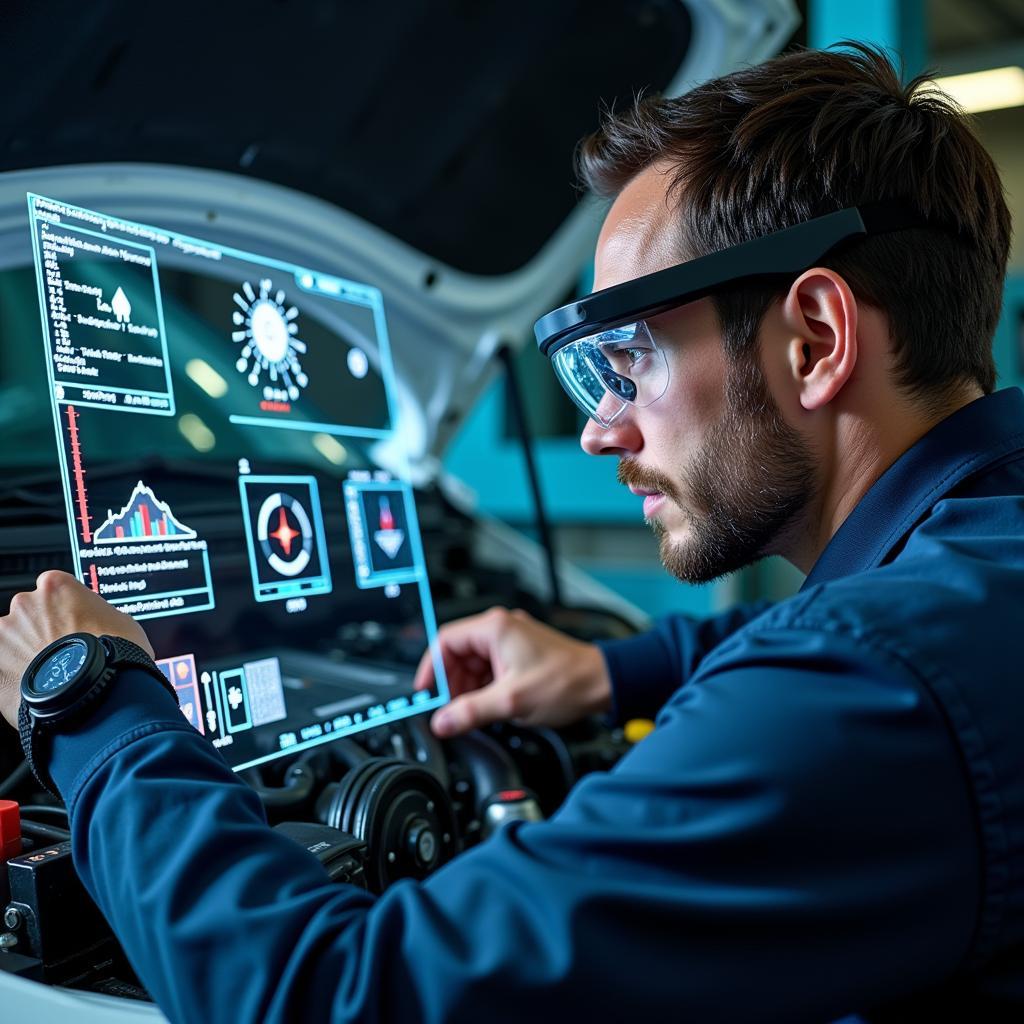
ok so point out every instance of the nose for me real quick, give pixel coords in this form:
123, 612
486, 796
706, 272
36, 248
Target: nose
623, 437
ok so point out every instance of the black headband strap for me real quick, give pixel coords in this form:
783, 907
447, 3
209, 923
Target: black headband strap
782, 253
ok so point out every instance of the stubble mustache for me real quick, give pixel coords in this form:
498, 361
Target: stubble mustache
631, 473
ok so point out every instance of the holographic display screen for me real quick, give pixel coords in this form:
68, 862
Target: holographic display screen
233, 475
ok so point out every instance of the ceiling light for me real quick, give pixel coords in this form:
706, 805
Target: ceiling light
207, 377
994, 89
330, 449
196, 432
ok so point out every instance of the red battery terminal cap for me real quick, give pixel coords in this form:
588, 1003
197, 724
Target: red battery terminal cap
10, 829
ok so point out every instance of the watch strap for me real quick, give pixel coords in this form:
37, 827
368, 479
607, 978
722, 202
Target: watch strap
30, 746
121, 653
125, 654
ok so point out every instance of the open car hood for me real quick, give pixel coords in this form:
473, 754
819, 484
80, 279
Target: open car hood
422, 148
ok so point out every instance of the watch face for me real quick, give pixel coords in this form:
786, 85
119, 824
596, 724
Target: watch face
60, 667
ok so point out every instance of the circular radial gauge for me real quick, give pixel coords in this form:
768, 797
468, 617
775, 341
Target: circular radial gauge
268, 331
284, 533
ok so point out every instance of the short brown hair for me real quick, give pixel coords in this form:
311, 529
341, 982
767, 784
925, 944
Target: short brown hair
815, 131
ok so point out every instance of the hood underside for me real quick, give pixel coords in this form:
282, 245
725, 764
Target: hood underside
424, 148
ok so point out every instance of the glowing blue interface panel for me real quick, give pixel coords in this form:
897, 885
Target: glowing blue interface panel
233, 474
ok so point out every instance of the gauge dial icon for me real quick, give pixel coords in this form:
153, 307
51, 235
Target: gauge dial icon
267, 329
285, 533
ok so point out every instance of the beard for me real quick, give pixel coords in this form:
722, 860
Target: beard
747, 484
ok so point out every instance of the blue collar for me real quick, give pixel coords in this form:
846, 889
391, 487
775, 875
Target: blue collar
971, 439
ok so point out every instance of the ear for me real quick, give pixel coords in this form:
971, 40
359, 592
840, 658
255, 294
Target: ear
820, 312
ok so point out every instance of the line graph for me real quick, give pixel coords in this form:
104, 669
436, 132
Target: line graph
143, 519
141, 557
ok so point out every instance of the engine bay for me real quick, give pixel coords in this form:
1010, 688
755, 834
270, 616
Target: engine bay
391, 804
229, 469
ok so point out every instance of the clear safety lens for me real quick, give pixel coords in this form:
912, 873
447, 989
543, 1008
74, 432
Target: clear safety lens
603, 373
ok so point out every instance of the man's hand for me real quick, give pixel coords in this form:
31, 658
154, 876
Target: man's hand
59, 605
507, 665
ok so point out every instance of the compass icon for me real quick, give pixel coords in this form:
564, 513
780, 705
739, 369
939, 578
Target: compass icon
285, 533
267, 330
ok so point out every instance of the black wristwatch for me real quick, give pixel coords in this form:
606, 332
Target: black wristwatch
64, 680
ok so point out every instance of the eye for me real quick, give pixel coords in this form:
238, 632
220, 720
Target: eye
634, 354
628, 356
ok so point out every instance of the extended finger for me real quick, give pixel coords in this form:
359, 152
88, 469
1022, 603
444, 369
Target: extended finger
468, 641
500, 701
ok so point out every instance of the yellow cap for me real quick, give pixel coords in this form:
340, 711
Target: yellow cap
637, 728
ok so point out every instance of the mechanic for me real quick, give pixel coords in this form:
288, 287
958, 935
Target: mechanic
789, 353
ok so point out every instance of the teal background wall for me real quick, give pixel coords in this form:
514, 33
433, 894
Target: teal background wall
897, 24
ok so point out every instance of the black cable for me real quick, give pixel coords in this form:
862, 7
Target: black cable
15, 779
296, 787
515, 400
44, 834
348, 753
29, 810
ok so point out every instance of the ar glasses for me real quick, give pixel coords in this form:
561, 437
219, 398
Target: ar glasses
604, 372
601, 348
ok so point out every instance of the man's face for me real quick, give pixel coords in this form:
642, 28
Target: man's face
723, 476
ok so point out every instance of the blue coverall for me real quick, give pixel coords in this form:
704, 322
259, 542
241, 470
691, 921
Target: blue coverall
828, 818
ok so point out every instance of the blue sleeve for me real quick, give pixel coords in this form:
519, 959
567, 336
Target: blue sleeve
794, 841
647, 669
